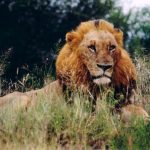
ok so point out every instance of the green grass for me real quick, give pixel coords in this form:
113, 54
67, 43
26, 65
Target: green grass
54, 124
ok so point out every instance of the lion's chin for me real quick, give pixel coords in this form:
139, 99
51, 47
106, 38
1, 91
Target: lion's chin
102, 81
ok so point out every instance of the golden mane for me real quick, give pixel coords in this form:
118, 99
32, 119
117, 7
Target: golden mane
71, 70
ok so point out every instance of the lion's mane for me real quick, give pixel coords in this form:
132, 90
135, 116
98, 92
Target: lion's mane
71, 69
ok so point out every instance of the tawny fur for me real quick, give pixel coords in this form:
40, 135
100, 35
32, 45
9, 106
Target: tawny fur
19, 100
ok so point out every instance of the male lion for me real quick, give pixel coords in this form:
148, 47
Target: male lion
94, 55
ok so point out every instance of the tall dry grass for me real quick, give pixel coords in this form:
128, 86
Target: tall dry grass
54, 124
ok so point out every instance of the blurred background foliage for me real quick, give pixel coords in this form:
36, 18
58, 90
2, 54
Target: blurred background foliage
33, 31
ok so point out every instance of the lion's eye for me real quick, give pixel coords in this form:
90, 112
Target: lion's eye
112, 48
92, 48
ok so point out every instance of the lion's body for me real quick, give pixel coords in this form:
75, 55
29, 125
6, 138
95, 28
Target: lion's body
19, 100
79, 67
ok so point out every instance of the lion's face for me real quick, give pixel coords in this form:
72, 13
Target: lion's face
97, 53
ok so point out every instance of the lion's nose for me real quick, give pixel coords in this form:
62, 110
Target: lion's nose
104, 67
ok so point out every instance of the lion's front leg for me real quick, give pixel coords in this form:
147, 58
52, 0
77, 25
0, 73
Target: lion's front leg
131, 92
128, 92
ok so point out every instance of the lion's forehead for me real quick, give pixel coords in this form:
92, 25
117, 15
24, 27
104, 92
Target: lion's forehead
99, 36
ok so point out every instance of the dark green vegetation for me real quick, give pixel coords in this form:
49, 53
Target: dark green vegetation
33, 31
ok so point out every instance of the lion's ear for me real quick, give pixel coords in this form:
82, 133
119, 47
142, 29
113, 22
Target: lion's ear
69, 36
72, 37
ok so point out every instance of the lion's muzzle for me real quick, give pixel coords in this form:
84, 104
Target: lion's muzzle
105, 76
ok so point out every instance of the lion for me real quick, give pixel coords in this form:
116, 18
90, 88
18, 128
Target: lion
93, 56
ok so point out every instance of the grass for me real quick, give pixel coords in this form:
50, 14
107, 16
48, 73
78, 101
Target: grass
54, 124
